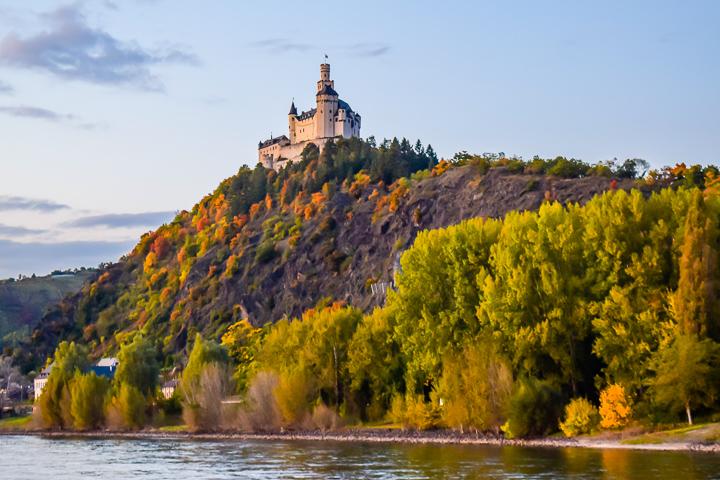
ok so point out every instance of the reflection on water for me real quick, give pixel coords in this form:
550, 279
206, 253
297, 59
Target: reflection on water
41, 458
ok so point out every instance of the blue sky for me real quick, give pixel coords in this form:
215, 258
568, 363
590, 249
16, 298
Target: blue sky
114, 115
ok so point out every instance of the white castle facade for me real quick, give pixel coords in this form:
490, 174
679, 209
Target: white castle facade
330, 119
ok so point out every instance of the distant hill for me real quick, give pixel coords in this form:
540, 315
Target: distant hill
24, 302
268, 245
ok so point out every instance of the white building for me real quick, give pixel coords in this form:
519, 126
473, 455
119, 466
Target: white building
108, 362
331, 118
41, 380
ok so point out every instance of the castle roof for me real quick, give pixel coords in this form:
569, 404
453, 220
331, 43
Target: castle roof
273, 141
344, 105
308, 114
293, 110
327, 90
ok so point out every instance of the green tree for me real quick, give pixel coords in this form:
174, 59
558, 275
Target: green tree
475, 388
686, 373
375, 361
88, 395
127, 408
68, 359
138, 366
204, 352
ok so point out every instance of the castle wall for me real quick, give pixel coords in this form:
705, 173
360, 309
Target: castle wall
305, 129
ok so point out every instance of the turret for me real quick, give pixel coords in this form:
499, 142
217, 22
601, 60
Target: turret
292, 118
325, 77
327, 104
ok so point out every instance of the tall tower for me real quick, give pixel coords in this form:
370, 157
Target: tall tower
327, 104
292, 117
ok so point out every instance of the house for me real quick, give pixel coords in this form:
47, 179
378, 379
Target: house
106, 367
42, 379
169, 387
331, 118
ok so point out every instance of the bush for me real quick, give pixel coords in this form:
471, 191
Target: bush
292, 395
265, 252
532, 185
515, 167
534, 410
203, 409
325, 418
581, 417
615, 407
413, 411
261, 411
127, 409
327, 225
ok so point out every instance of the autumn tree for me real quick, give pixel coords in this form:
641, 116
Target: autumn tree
138, 366
88, 396
686, 373
55, 398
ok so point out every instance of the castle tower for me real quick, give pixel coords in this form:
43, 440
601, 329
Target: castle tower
327, 104
325, 77
292, 119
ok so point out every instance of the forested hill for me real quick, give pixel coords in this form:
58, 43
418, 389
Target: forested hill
267, 245
23, 302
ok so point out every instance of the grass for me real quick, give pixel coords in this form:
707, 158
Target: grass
14, 423
690, 428
643, 440
173, 428
381, 424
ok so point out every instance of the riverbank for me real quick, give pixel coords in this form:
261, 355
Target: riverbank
680, 442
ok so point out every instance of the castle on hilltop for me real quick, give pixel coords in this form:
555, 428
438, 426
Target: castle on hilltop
331, 118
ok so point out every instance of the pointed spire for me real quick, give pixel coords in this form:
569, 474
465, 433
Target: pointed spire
293, 110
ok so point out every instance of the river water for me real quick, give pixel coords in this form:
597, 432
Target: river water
28, 457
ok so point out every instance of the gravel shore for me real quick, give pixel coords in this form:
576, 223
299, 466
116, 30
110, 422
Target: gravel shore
392, 436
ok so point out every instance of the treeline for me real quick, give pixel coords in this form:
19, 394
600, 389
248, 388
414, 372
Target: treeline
494, 322
495, 325
498, 322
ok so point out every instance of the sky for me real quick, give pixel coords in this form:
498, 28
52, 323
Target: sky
115, 115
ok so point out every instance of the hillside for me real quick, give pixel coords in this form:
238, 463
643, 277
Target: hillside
24, 302
269, 245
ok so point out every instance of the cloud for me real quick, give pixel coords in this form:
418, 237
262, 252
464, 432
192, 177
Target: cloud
35, 112
368, 49
73, 50
42, 258
23, 203
282, 45
6, 88
118, 220
17, 231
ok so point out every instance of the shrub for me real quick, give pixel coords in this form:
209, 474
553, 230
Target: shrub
327, 224
534, 409
615, 407
398, 410
261, 412
203, 408
515, 166
127, 409
325, 418
265, 252
581, 417
532, 185
421, 414
292, 395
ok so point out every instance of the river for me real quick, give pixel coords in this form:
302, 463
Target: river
29, 457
